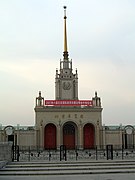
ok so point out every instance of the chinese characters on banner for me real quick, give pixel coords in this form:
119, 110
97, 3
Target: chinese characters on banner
68, 103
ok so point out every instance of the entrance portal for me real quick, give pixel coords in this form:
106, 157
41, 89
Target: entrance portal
50, 136
69, 135
89, 136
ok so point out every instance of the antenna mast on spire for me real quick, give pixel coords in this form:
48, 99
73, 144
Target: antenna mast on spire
65, 54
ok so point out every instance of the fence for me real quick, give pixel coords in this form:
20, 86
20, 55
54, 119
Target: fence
102, 153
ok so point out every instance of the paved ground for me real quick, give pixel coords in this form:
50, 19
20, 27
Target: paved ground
73, 177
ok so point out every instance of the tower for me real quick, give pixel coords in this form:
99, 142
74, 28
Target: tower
67, 120
66, 82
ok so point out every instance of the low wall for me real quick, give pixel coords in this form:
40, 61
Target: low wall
3, 164
5, 151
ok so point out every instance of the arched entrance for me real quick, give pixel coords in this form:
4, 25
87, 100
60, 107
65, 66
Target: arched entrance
89, 136
129, 137
69, 135
50, 136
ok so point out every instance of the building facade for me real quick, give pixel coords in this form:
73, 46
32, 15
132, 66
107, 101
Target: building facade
67, 120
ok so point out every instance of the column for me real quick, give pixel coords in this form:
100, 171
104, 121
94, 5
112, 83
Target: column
80, 129
59, 134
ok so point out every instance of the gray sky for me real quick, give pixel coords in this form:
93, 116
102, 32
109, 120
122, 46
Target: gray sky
101, 43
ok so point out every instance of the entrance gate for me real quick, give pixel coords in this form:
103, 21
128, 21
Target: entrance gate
89, 136
69, 136
50, 136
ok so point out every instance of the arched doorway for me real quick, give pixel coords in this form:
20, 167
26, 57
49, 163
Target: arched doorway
50, 136
89, 136
129, 137
69, 135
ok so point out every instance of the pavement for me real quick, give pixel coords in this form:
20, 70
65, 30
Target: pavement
73, 177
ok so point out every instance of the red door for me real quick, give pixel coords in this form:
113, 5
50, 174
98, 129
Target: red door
89, 136
50, 137
69, 136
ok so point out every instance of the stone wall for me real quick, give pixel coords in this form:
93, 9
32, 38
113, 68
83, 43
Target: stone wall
5, 151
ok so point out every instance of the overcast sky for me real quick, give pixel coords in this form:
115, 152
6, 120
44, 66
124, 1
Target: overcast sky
101, 44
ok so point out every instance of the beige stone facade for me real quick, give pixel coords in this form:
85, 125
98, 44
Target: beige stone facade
35, 136
76, 116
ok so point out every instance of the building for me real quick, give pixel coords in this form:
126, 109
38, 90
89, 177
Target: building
67, 120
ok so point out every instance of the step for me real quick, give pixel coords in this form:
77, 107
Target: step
68, 168
71, 172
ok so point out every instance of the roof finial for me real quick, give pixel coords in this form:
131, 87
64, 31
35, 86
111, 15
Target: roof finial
65, 54
65, 7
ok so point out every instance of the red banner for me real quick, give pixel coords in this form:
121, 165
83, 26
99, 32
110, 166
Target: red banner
68, 103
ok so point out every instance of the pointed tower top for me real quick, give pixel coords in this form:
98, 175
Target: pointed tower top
65, 53
39, 93
95, 93
65, 7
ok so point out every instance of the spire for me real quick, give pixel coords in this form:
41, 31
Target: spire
65, 30
65, 53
